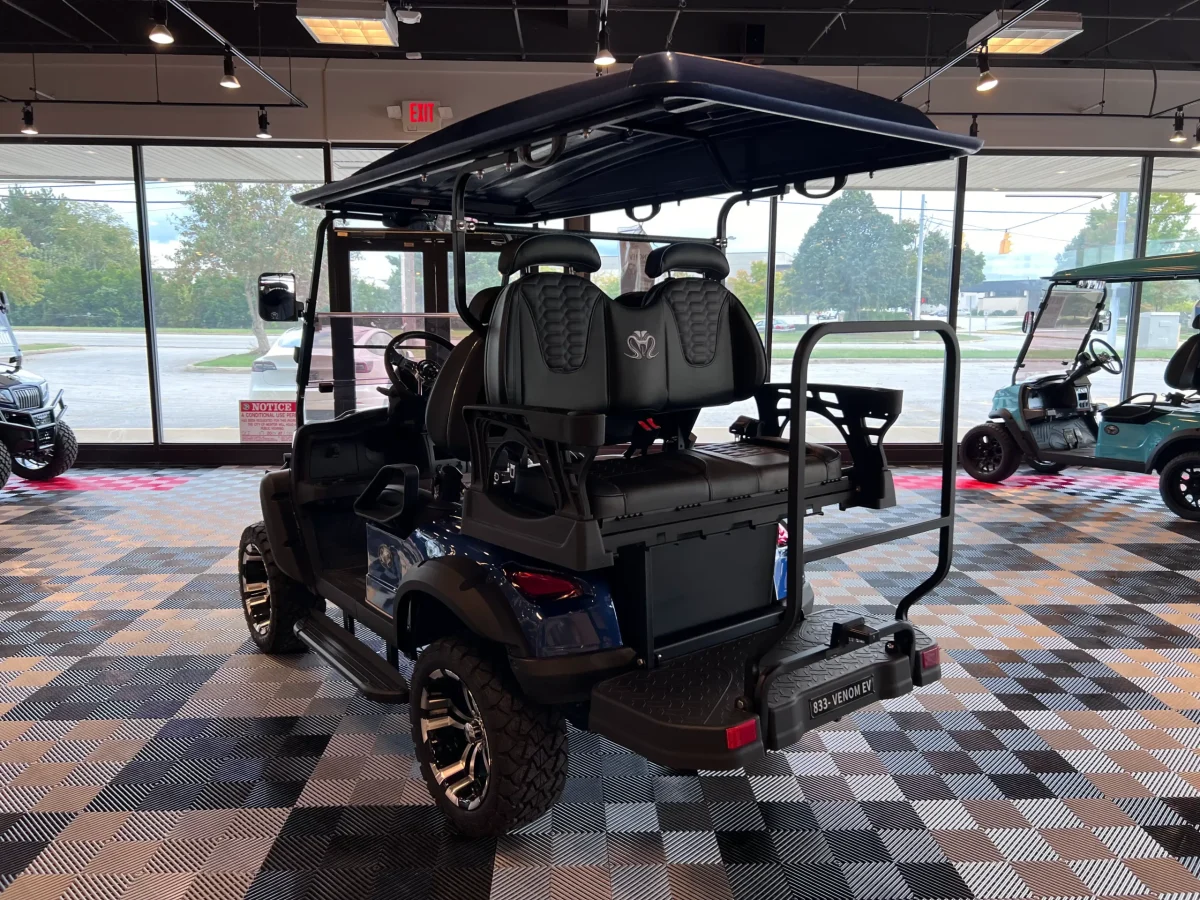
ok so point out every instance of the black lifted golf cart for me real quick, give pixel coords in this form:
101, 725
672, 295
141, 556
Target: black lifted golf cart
34, 440
532, 521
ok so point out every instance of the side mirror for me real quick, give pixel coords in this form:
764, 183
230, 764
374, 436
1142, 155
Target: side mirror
1027, 322
1104, 320
277, 297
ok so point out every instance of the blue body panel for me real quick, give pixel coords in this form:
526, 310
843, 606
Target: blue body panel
1138, 443
552, 629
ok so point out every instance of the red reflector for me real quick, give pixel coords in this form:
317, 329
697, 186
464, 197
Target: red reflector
931, 657
543, 585
782, 540
741, 734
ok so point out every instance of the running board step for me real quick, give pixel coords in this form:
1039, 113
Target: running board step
353, 660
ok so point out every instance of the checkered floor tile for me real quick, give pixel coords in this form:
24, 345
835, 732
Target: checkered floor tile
147, 752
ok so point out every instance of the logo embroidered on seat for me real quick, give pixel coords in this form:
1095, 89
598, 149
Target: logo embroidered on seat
642, 345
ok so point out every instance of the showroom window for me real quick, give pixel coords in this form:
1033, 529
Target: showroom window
879, 249
218, 217
69, 265
1025, 218
1168, 307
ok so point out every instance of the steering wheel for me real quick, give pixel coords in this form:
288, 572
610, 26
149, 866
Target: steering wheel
1107, 358
406, 374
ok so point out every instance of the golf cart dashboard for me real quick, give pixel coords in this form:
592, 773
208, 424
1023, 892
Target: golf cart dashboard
1058, 398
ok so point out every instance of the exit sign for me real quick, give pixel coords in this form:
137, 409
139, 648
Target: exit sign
421, 115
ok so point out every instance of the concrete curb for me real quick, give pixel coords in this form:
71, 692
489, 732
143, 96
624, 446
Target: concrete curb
218, 369
70, 349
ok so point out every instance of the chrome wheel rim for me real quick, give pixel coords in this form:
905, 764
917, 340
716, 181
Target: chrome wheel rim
1187, 486
35, 462
256, 590
455, 739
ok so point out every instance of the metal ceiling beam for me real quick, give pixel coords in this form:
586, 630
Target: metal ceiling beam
42, 21
1032, 8
1168, 17
517, 22
71, 6
225, 44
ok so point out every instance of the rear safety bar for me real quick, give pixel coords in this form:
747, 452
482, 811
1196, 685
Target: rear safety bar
797, 556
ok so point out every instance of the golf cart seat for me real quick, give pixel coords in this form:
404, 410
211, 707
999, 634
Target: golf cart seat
1182, 373
459, 384
568, 370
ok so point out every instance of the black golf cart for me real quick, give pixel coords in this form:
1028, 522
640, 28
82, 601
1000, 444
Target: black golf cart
530, 518
34, 440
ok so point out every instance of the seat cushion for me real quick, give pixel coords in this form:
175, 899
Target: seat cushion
666, 481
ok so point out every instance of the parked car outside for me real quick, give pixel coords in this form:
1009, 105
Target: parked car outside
273, 375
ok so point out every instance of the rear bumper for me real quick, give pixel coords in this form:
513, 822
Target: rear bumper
681, 713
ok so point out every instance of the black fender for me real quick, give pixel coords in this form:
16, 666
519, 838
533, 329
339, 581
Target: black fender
1023, 439
1177, 443
464, 589
283, 530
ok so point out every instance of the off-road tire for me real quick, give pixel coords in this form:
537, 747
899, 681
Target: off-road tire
288, 600
5, 464
527, 742
988, 453
1044, 468
62, 457
1183, 470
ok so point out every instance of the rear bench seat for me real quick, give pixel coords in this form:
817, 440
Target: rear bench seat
556, 341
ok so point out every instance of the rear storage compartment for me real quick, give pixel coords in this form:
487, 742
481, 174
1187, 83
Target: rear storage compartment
680, 596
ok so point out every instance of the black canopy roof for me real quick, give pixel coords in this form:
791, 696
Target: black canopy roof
670, 128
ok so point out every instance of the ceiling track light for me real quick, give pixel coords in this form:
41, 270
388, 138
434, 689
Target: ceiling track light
264, 125
974, 125
159, 32
27, 126
987, 80
1178, 137
604, 57
229, 78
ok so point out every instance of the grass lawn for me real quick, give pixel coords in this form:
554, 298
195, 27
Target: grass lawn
232, 361
27, 348
895, 352
790, 339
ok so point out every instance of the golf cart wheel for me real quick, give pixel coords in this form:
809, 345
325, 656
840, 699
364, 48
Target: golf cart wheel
272, 602
49, 464
6, 464
989, 453
493, 760
1044, 468
1179, 484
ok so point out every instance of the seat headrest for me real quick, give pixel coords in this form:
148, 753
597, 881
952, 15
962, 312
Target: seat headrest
691, 256
549, 250
482, 303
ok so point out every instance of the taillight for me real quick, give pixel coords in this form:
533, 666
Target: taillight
362, 368
931, 657
741, 734
543, 587
782, 540
262, 365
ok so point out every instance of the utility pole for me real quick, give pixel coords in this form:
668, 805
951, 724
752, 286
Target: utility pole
920, 266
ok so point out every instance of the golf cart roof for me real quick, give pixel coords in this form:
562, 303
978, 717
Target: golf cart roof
1145, 268
669, 128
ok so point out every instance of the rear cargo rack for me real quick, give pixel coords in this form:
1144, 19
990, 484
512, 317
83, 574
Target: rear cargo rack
797, 556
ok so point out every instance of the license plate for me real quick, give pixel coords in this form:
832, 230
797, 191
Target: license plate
842, 697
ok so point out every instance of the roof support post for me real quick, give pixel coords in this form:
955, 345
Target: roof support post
458, 236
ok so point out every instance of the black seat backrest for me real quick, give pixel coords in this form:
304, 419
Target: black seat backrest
459, 384
546, 341
713, 352
1183, 369
556, 341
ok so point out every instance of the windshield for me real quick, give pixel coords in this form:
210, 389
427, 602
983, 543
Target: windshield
1063, 324
10, 353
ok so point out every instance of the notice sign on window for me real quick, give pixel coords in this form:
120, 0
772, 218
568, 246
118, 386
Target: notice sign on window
267, 422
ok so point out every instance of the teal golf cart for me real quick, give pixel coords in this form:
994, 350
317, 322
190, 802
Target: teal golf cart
1047, 417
